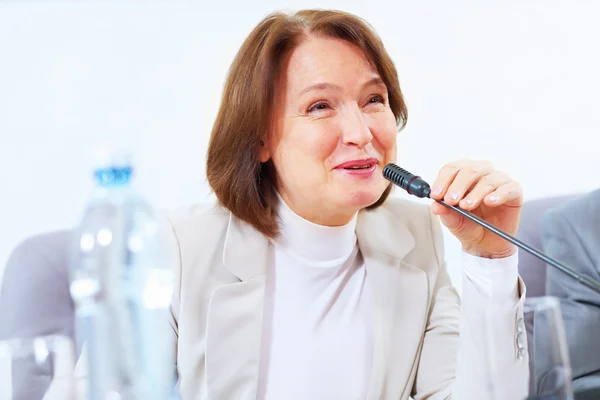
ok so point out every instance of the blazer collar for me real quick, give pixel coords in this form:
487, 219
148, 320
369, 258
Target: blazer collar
245, 251
378, 231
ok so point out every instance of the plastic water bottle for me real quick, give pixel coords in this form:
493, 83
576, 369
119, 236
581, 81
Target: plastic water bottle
121, 284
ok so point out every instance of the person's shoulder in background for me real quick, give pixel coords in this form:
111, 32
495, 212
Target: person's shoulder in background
571, 234
582, 213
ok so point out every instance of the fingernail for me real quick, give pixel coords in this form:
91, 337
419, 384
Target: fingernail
454, 196
493, 198
437, 190
469, 201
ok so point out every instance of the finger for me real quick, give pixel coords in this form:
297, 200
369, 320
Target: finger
450, 218
482, 188
445, 177
465, 179
511, 194
439, 209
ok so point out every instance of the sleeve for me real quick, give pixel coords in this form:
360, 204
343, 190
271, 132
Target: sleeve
492, 356
468, 348
580, 306
495, 279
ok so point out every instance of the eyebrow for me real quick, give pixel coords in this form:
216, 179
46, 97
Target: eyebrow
326, 85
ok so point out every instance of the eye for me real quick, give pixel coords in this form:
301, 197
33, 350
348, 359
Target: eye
318, 106
376, 99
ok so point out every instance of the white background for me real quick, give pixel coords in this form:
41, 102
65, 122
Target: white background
516, 82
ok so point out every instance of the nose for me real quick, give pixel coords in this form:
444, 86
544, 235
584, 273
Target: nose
355, 130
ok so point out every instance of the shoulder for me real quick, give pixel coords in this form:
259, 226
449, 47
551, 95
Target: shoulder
195, 238
198, 225
581, 211
193, 216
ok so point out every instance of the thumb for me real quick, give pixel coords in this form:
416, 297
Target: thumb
451, 220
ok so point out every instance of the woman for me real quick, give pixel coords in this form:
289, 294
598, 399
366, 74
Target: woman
305, 281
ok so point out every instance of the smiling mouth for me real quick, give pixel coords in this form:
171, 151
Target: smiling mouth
367, 166
358, 164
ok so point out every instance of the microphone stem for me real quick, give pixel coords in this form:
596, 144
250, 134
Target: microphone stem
585, 280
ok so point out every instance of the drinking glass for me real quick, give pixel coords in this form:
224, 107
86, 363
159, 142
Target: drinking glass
550, 368
540, 339
37, 368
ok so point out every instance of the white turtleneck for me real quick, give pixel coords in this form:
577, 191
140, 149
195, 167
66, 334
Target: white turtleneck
317, 336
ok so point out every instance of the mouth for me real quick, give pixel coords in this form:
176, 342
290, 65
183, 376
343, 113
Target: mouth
367, 166
357, 165
358, 169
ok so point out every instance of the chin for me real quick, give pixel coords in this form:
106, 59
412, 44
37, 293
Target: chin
363, 198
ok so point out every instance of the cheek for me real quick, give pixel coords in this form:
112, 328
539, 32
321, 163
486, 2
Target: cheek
384, 130
315, 142
302, 152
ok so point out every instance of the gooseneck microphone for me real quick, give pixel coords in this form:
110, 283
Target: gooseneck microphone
417, 186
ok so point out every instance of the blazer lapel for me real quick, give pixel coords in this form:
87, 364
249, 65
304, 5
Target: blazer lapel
400, 293
235, 316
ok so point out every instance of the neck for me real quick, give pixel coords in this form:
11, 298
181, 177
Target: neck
320, 215
312, 242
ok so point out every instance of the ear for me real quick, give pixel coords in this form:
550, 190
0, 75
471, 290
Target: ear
263, 154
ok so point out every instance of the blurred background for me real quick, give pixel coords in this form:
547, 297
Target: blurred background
515, 82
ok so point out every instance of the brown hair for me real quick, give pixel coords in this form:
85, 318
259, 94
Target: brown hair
240, 181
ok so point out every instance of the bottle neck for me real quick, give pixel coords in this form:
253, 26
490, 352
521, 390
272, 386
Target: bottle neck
113, 177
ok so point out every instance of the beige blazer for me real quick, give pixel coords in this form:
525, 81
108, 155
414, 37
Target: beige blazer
418, 351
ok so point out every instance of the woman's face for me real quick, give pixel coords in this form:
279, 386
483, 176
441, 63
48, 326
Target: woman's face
333, 132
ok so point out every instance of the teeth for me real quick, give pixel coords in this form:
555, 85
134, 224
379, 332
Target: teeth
363, 167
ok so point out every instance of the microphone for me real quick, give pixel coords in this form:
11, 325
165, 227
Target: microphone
417, 186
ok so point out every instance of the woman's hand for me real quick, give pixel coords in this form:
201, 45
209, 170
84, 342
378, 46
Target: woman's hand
477, 187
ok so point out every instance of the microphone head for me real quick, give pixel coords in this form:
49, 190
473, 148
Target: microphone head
413, 184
